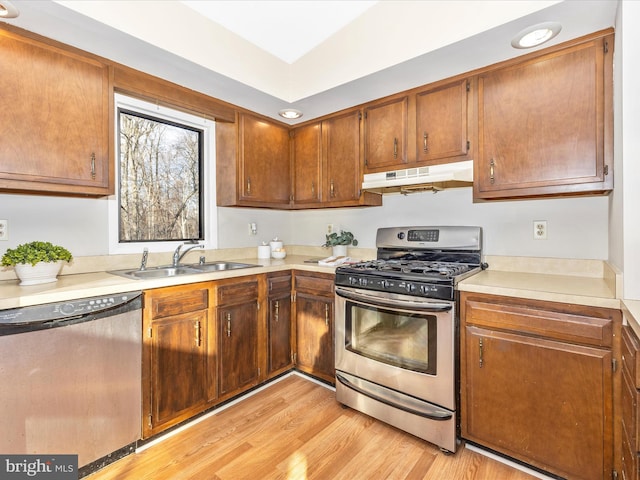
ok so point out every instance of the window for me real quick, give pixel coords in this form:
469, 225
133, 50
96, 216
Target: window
163, 179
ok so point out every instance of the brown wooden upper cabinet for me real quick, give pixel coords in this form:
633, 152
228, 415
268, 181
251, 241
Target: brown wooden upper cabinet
55, 118
386, 130
426, 126
253, 163
327, 163
545, 124
442, 123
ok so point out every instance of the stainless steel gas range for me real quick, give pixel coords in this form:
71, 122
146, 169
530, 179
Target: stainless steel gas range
396, 328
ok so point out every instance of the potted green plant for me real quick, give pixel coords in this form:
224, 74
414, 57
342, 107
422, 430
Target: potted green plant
340, 242
36, 262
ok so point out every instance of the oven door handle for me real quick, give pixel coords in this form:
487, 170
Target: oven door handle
394, 399
392, 303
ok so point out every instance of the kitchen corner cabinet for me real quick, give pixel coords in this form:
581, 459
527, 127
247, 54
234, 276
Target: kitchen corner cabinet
327, 164
545, 124
314, 314
253, 163
58, 139
537, 382
239, 334
630, 421
178, 356
279, 331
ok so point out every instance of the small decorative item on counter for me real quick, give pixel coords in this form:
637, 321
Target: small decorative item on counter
279, 253
264, 250
36, 262
276, 244
340, 242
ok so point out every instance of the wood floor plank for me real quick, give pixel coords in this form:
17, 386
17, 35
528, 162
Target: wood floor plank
295, 430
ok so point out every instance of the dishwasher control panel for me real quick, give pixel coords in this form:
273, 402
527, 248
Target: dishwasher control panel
72, 308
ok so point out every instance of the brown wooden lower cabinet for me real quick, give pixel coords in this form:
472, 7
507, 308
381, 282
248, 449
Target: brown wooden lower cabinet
314, 318
280, 331
207, 342
178, 366
630, 346
239, 329
537, 382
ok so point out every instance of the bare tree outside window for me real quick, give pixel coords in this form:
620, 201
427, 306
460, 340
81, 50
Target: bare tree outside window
160, 179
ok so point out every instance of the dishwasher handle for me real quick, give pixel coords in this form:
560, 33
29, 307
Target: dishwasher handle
60, 314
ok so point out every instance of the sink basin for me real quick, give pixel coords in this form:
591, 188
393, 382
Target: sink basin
219, 266
156, 272
169, 271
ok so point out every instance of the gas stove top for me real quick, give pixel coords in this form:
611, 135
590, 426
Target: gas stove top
418, 261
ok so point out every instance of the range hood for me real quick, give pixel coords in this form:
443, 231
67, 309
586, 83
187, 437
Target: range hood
409, 180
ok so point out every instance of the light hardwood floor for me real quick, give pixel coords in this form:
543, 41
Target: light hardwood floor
295, 430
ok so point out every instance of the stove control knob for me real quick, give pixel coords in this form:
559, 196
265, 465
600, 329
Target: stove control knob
353, 281
410, 287
362, 282
401, 235
384, 284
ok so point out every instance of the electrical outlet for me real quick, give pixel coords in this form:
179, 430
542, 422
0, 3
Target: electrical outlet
540, 230
330, 228
4, 230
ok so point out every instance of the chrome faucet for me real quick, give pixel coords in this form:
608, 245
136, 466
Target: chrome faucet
177, 256
143, 263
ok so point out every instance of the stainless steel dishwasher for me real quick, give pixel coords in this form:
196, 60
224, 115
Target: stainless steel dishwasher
70, 377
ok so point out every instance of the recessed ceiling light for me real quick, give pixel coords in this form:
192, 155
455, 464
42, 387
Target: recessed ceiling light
8, 10
290, 113
536, 35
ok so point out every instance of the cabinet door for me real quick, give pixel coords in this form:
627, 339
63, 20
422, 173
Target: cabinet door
544, 402
542, 124
441, 123
279, 332
307, 161
177, 369
264, 161
238, 352
314, 332
341, 152
55, 119
386, 135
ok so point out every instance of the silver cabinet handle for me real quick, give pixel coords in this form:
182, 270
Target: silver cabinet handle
93, 165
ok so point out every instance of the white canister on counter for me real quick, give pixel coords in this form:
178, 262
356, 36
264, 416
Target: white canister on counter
264, 250
276, 245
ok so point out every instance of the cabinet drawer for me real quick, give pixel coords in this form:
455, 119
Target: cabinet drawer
238, 292
315, 285
630, 358
173, 301
278, 284
533, 320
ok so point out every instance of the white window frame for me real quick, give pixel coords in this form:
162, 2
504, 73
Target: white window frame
210, 213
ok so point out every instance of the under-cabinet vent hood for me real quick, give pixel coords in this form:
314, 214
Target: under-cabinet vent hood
435, 177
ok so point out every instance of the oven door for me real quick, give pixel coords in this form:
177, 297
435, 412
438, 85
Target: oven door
401, 342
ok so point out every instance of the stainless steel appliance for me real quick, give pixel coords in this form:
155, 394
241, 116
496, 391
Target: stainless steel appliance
71, 378
396, 328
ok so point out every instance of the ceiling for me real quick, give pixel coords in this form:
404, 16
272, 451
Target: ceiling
316, 56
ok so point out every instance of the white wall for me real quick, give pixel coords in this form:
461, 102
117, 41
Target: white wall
628, 147
577, 227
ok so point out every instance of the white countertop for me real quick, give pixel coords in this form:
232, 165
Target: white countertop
81, 285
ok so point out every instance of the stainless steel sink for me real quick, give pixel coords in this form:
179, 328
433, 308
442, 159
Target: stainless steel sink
218, 266
170, 271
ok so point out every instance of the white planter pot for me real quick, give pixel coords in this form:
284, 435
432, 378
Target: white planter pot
339, 250
41, 272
